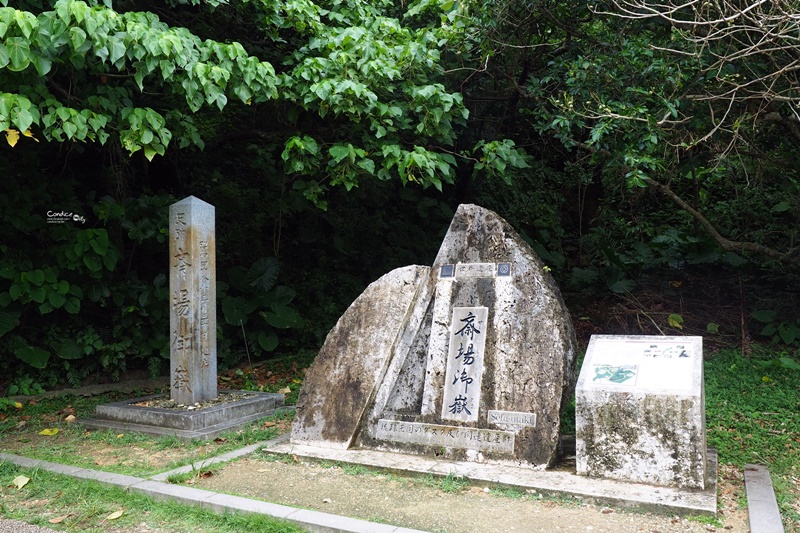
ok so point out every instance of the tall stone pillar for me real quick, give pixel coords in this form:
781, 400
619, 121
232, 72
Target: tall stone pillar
193, 316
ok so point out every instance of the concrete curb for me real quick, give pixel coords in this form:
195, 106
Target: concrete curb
762, 506
313, 521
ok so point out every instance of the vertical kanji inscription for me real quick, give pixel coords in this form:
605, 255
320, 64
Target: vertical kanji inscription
462, 386
193, 344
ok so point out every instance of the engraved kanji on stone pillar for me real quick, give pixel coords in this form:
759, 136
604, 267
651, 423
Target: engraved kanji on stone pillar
193, 288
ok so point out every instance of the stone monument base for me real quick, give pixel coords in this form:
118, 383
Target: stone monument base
203, 424
561, 481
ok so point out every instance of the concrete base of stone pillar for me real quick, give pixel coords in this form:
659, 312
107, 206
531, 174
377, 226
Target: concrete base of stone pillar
201, 424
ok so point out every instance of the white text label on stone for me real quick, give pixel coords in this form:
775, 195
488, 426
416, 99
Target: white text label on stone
462, 386
475, 270
512, 418
486, 440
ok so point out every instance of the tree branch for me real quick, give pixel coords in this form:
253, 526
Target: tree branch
726, 244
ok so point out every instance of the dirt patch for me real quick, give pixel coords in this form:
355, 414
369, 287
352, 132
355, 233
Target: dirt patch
421, 503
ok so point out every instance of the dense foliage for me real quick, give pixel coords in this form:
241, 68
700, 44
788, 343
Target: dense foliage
336, 138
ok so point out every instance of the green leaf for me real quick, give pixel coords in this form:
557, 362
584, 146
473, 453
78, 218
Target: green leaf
780, 207
788, 362
67, 349
19, 52
8, 320
764, 316
36, 276
38, 294
72, 305
264, 273
26, 22
788, 333
36, 357
56, 299
77, 37
284, 318
236, 309
712, 327
675, 320
268, 341
622, 286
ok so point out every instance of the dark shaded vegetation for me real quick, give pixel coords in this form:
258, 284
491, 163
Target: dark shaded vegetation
314, 201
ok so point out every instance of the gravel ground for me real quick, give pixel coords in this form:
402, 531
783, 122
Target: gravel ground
15, 526
415, 504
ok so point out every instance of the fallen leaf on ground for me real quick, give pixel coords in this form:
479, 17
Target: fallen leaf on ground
326, 500
18, 405
70, 419
20, 481
269, 424
220, 440
20, 424
48, 432
285, 390
206, 474
115, 514
294, 458
120, 435
59, 519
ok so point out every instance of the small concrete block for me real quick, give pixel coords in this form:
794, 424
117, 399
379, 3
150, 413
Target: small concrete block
219, 503
640, 411
761, 503
317, 522
168, 491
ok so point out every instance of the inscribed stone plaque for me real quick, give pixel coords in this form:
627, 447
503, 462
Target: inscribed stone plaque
483, 440
192, 284
475, 270
462, 386
512, 418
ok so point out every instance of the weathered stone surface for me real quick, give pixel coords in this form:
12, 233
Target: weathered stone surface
640, 410
193, 289
343, 380
426, 372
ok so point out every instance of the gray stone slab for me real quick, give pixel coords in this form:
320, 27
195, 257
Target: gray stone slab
127, 417
762, 506
446, 436
171, 492
318, 522
601, 491
120, 480
27, 462
353, 362
220, 503
133, 411
235, 454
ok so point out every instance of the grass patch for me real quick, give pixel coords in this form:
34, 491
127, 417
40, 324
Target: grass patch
753, 416
509, 492
86, 505
123, 453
